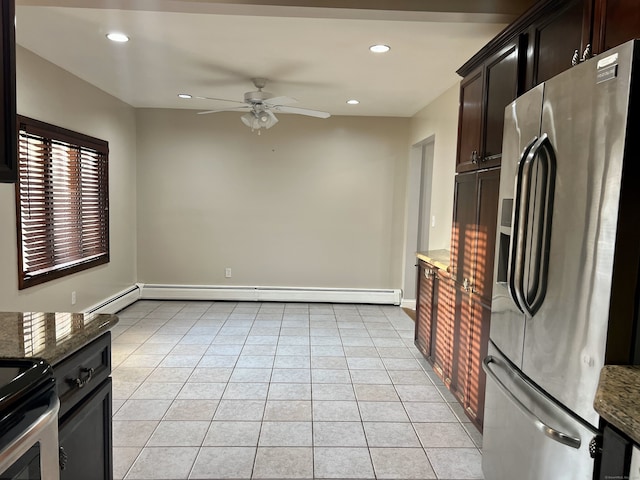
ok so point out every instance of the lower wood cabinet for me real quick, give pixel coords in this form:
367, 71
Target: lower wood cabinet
452, 332
425, 307
84, 424
85, 438
433, 334
616, 459
472, 319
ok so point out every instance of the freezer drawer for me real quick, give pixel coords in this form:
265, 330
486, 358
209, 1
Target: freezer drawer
527, 435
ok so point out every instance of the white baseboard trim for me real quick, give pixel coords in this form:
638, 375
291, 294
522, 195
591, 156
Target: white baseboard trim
270, 294
117, 302
409, 303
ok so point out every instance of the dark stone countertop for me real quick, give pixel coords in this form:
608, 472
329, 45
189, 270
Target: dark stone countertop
618, 398
438, 258
50, 336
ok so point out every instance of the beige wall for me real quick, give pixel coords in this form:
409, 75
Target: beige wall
308, 203
50, 94
437, 123
439, 120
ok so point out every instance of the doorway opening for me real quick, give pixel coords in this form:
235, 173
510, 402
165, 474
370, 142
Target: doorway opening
418, 217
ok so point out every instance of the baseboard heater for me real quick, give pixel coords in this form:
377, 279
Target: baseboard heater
117, 302
270, 294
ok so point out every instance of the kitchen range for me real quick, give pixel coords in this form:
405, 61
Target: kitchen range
566, 272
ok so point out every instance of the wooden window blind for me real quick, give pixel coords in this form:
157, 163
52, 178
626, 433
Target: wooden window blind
62, 202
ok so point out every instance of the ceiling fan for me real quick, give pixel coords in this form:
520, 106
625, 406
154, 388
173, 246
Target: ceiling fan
261, 105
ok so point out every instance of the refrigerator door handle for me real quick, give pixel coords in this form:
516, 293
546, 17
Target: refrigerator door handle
531, 300
516, 247
552, 433
543, 152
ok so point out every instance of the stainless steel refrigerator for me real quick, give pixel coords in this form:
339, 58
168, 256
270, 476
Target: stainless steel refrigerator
566, 270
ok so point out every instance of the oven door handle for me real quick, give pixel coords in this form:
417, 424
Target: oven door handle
549, 431
43, 430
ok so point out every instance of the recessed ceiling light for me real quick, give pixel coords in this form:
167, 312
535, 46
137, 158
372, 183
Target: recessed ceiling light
117, 37
353, 101
380, 48
184, 95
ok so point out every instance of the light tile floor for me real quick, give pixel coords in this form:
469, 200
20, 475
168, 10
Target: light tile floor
221, 390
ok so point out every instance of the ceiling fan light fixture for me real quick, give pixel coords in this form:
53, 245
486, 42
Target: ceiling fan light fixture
257, 120
379, 48
118, 37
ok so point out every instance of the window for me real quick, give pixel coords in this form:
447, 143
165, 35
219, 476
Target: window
62, 202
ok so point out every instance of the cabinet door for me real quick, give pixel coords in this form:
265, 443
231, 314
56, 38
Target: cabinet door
488, 191
462, 327
85, 438
616, 454
501, 80
553, 40
477, 350
464, 227
8, 134
425, 307
615, 22
442, 328
470, 122
470, 346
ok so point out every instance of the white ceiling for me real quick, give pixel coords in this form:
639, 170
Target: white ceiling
317, 54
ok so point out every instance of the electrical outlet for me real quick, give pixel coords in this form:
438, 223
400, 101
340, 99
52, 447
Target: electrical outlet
227, 272
73, 298
433, 220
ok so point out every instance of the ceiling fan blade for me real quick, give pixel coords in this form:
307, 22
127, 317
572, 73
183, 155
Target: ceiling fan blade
231, 109
218, 99
272, 102
301, 111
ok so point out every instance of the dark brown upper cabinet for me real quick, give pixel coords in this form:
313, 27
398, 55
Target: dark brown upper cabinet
557, 40
484, 93
470, 121
549, 38
614, 22
8, 134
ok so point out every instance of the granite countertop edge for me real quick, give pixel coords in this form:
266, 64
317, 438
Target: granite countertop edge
617, 398
55, 351
438, 258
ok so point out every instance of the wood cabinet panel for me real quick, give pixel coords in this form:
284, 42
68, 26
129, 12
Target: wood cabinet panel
461, 337
85, 432
8, 136
425, 307
83, 370
488, 192
501, 77
434, 318
470, 122
564, 30
615, 22
474, 229
85, 438
442, 329
463, 228
484, 94
477, 350
470, 346
472, 247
